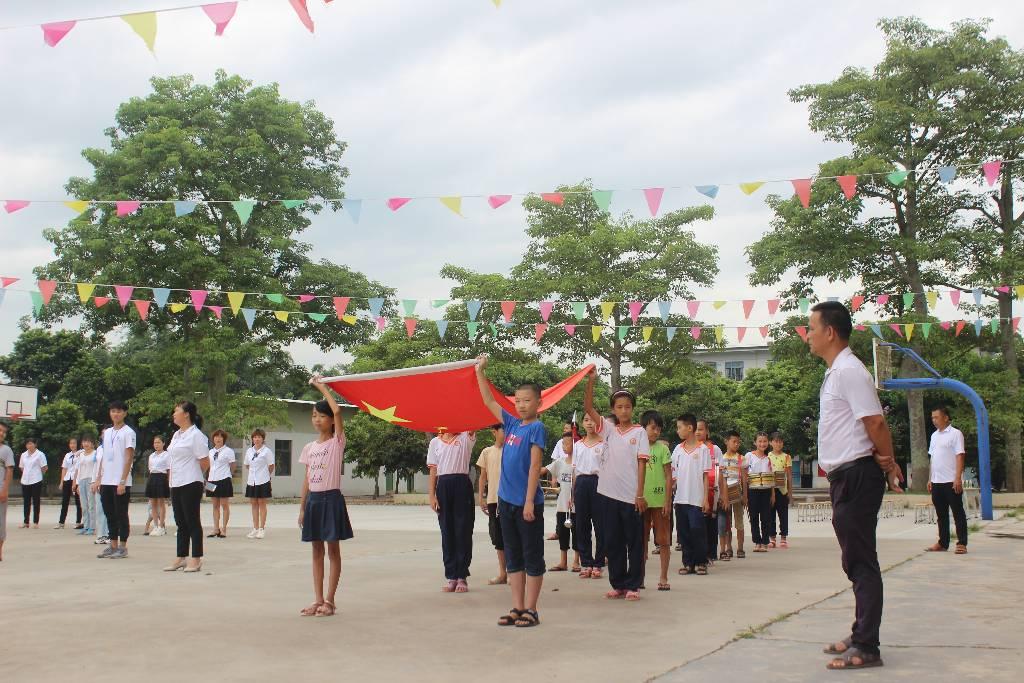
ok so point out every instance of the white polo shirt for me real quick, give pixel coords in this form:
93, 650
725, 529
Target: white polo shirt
623, 449
32, 465
116, 443
451, 458
259, 463
688, 468
186, 450
944, 447
588, 459
220, 463
160, 462
68, 465
847, 396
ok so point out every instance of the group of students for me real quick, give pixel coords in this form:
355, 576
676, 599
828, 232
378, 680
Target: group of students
616, 485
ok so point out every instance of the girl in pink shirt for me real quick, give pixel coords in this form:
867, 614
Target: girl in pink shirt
323, 516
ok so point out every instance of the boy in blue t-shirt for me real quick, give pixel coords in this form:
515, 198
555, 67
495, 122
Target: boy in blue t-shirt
520, 498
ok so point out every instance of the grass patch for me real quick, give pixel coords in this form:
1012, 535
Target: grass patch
974, 528
754, 631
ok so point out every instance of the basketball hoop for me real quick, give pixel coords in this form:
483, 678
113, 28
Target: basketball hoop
882, 354
14, 417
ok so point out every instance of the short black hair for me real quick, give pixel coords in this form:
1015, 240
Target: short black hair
622, 393
732, 433
688, 418
31, 440
532, 386
650, 416
941, 409
835, 315
567, 435
776, 436
496, 427
118, 405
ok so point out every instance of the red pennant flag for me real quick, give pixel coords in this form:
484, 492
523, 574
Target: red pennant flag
556, 198
507, 309
124, 294
305, 298
764, 331
340, 304
396, 203
954, 296
946, 325
773, 306
692, 307
539, 330
859, 328
303, 12
5, 281
142, 307
405, 397
634, 310
959, 328
740, 333
382, 323
545, 310
882, 299
748, 306
101, 301
849, 185
126, 207
991, 171
217, 310
802, 186
653, 196
898, 329
856, 302
198, 298
1016, 324
410, 327
802, 331
54, 32
496, 200
46, 288
695, 332
570, 330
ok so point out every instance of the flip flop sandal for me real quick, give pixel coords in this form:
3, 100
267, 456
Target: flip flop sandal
576, 569
867, 661
724, 557
311, 610
664, 587
528, 618
683, 571
615, 594
326, 610
585, 573
632, 596
558, 568
740, 555
461, 586
595, 573
509, 619
831, 648
935, 549
449, 587
961, 550
496, 582
702, 570
771, 544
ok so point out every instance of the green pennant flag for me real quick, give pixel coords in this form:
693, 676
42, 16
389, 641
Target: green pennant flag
994, 325
804, 305
275, 298
494, 329
438, 303
292, 203
926, 328
898, 177
410, 307
908, 300
243, 207
579, 309
319, 317
603, 198
471, 329
623, 331
37, 301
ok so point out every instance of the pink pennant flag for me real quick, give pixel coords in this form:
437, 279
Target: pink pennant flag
305, 298
410, 327
859, 328
101, 301
5, 281
634, 310
856, 302
882, 299
54, 32
217, 310
898, 329
773, 306
556, 198
46, 288
692, 307
396, 203
740, 333
1003, 288
340, 304
507, 309
991, 171
545, 310
496, 200
802, 331
748, 307
124, 294
946, 325
695, 332
126, 207
959, 328
142, 307
653, 196
382, 322
570, 330
12, 205
764, 331
849, 185
1016, 324
802, 186
954, 296
303, 12
221, 13
198, 298
539, 330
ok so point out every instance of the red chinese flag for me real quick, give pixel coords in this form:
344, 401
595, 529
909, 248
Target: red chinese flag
432, 397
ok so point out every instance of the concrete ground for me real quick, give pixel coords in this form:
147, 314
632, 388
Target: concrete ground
67, 614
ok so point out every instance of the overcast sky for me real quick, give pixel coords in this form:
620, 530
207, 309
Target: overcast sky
454, 97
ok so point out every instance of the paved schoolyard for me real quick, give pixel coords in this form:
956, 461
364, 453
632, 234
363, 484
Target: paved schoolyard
73, 616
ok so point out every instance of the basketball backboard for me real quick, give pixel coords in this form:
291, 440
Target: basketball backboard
18, 403
882, 355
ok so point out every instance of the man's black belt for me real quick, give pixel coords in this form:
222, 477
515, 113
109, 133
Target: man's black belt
847, 466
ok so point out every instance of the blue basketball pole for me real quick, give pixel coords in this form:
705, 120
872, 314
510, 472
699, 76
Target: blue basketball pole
980, 412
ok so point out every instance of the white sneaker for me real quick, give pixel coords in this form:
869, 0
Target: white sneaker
259, 533
252, 534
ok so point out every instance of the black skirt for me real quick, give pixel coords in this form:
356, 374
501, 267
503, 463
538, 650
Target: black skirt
225, 489
157, 485
326, 517
258, 491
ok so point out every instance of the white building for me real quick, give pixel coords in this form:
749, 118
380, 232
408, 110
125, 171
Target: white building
734, 362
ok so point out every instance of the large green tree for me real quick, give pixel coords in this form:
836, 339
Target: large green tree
211, 144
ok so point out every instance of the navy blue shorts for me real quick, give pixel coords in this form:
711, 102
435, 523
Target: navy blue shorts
524, 541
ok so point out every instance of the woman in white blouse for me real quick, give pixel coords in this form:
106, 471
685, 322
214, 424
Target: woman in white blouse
158, 485
33, 466
259, 463
222, 468
190, 458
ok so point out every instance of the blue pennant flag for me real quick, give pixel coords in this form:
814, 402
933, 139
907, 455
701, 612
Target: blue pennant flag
708, 190
670, 332
663, 309
947, 173
442, 327
473, 306
160, 295
354, 208
183, 208
376, 303
250, 315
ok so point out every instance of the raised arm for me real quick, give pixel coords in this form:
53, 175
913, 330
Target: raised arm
588, 399
485, 388
339, 420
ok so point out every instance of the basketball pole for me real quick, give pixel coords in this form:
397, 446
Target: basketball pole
937, 381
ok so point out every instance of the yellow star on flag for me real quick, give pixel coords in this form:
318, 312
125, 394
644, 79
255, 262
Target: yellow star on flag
388, 414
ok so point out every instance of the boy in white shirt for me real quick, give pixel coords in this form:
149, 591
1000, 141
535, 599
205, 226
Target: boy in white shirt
691, 461
67, 486
563, 472
114, 480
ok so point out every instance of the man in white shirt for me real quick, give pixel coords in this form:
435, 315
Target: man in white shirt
855, 450
114, 480
945, 481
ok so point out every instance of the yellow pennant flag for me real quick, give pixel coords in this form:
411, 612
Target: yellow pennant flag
349, 319
78, 206
281, 315
178, 308
85, 290
933, 298
1019, 289
909, 329
607, 307
719, 331
497, 3
453, 203
595, 332
750, 188
647, 330
144, 24
718, 304
235, 300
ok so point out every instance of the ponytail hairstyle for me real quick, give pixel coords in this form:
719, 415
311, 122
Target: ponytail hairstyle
193, 413
324, 408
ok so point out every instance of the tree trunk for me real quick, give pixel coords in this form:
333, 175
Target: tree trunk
1013, 421
376, 486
